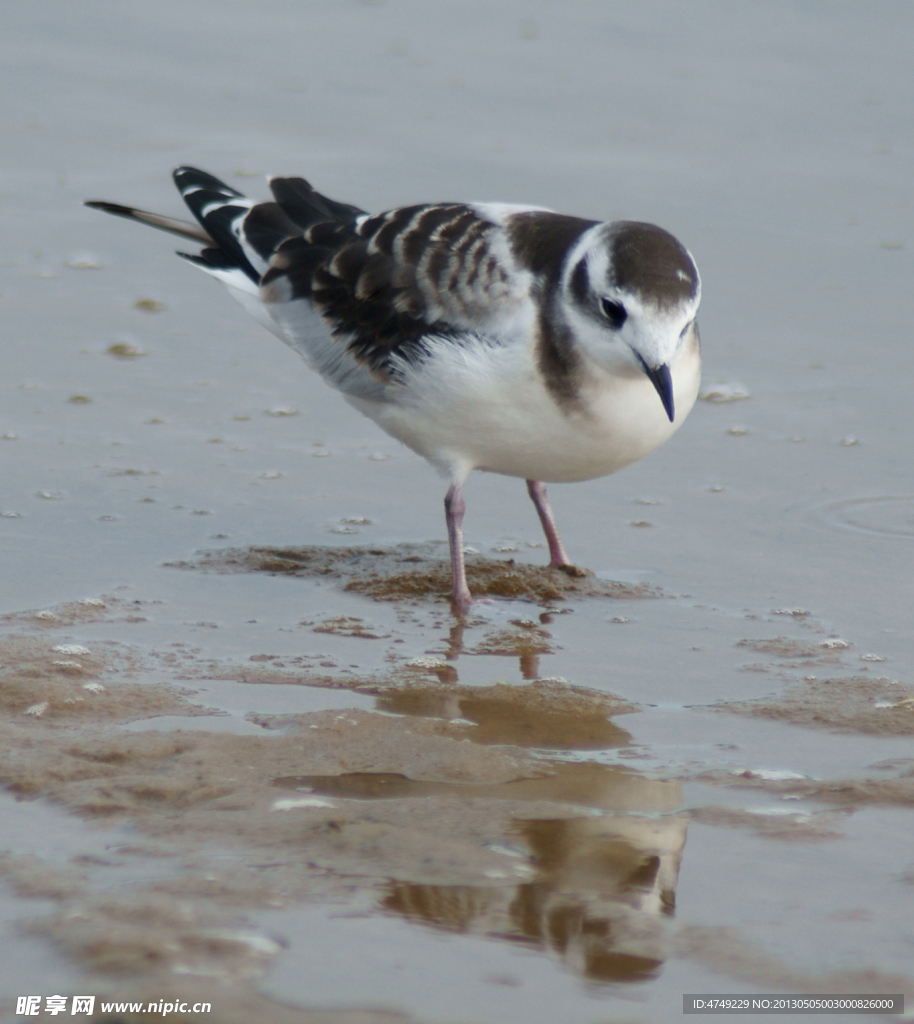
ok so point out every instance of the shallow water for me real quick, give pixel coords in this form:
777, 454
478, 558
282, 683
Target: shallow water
233, 783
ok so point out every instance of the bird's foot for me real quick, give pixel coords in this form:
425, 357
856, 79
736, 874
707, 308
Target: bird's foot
568, 569
466, 603
461, 601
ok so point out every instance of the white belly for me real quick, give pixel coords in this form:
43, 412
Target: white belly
489, 410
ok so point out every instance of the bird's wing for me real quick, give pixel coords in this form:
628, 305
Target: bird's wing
358, 296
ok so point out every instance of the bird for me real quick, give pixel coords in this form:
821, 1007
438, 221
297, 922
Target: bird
484, 336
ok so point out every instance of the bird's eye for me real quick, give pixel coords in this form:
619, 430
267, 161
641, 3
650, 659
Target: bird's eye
614, 312
685, 329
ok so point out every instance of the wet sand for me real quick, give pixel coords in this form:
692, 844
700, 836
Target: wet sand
249, 755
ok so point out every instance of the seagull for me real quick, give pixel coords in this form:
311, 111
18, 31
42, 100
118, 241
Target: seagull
488, 336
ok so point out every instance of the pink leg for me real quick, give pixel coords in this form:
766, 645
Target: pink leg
557, 557
454, 507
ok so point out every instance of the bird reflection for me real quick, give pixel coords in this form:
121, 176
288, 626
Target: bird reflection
597, 845
527, 716
602, 877
604, 886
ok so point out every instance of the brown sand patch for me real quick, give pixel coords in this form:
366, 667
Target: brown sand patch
796, 653
545, 714
89, 609
301, 814
898, 790
287, 670
29, 877
61, 683
525, 640
193, 787
860, 704
415, 572
783, 647
326, 804
147, 774
799, 826
348, 625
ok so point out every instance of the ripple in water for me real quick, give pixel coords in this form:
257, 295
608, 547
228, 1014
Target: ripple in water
886, 516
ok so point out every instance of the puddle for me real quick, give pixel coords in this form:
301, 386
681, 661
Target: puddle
596, 885
499, 815
597, 904
524, 818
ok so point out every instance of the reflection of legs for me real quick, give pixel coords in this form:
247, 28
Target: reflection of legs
454, 507
557, 557
530, 666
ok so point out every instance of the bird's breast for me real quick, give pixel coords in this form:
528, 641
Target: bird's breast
488, 407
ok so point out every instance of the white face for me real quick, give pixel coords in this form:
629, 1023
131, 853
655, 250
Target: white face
630, 305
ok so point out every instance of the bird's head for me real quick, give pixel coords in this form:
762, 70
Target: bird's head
630, 294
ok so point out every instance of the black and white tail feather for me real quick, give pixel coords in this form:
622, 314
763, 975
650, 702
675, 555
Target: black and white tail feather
241, 238
484, 336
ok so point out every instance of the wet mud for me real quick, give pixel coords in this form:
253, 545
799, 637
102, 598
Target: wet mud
856, 704
458, 808
890, 783
441, 803
416, 573
59, 684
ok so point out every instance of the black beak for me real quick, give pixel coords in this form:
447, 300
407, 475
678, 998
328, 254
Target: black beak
660, 378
